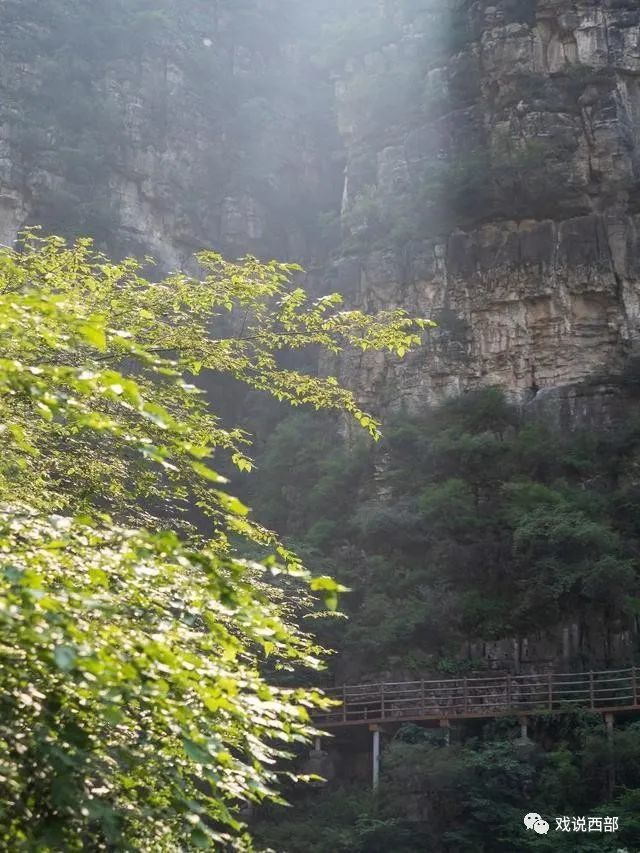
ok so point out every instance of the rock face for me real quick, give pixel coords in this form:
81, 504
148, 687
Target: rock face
504, 203
492, 152
197, 124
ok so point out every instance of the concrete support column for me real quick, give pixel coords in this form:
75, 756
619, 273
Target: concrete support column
609, 720
611, 770
375, 730
524, 722
445, 725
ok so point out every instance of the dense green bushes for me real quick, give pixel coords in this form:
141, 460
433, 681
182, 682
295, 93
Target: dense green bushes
471, 797
466, 523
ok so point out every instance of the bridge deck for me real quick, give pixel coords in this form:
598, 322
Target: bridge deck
603, 691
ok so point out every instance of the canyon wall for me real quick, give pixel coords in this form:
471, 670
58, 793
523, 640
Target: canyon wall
165, 127
501, 198
473, 161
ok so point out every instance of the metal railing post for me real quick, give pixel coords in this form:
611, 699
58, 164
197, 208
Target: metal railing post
591, 692
550, 692
508, 690
634, 686
466, 695
344, 703
382, 700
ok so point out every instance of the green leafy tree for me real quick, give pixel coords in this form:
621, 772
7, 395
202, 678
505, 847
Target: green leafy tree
134, 709
467, 523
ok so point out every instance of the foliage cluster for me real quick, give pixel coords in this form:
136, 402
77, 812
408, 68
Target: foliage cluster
384, 99
471, 797
469, 523
455, 191
348, 34
138, 641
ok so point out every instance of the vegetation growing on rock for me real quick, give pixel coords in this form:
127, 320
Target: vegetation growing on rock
468, 522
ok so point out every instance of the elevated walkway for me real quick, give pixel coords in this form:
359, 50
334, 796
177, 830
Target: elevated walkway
605, 691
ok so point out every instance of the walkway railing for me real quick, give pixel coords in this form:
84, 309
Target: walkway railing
608, 690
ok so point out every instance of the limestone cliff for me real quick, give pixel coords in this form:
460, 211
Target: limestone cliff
491, 148
502, 195
165, 127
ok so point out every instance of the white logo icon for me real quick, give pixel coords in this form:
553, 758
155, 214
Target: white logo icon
537, 823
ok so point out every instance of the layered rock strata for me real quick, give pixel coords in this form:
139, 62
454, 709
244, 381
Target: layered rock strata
502, 198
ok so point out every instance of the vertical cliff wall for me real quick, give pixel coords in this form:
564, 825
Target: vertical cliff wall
492, 182
164, 126
470, 160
